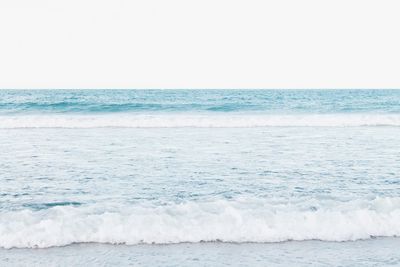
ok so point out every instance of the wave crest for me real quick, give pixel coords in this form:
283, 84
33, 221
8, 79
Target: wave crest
225, 221
197, 121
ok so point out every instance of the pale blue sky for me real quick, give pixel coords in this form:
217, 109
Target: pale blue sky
199, 44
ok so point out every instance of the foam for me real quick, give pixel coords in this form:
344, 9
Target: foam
219, 220
198, 121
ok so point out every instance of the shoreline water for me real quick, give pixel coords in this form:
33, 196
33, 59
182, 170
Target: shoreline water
375, 252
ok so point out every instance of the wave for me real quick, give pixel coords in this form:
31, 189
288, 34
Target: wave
197, 121
220, 220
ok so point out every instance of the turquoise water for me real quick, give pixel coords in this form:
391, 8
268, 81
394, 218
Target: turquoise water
210, 101
188, 177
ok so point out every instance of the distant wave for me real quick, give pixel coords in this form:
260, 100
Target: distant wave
197, 121
222, 221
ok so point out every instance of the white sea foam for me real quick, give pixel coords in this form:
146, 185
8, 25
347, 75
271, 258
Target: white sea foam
225, 221
200, 121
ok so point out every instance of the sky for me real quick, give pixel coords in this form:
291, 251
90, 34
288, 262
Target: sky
199, 44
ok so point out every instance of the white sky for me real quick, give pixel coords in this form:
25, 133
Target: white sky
199, 44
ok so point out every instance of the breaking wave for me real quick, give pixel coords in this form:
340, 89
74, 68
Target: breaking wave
237, 220
197, 121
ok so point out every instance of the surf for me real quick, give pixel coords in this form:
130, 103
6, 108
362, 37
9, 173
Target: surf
197, 121
233, 221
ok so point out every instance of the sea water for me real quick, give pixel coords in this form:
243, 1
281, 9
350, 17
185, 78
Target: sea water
200, 177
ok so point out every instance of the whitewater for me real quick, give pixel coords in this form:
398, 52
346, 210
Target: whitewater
197, 121
190, 177
218, 221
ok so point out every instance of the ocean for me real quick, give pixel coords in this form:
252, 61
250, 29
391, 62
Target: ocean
199, 177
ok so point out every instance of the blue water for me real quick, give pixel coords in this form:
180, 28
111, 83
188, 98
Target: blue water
209, 177
218, 101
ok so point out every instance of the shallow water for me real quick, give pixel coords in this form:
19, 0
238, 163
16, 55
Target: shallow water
379, 252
